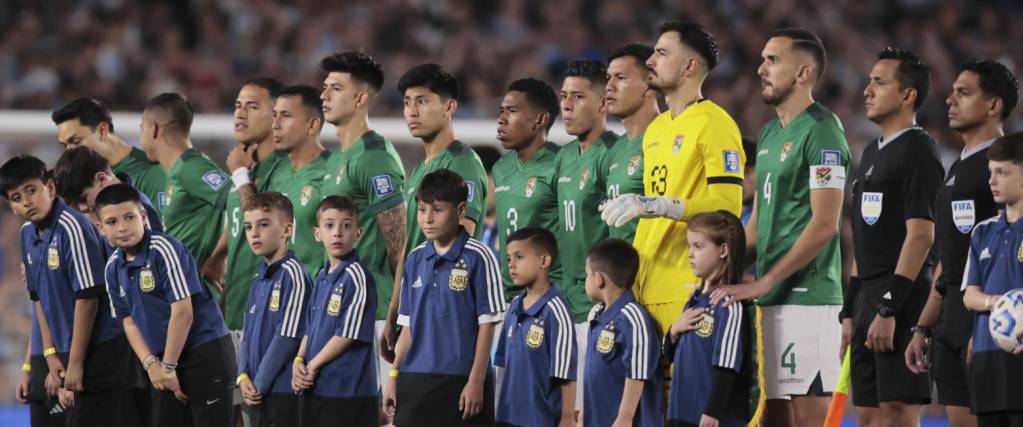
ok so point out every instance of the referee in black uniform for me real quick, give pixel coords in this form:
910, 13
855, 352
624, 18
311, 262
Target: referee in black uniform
983, 96
893, 204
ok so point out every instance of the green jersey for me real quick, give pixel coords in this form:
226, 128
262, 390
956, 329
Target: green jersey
196, 195
524, 196
302, 187
370, 172
242, 264
622, 173
458, 158
809, 153
580, 192
146, 176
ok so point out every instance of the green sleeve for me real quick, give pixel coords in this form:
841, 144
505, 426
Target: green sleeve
825, 141
471, 170
205, 181
382, 178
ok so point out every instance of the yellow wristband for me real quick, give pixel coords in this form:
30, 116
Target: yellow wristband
244, 376
393, 373
26, 368
49, 352
299, 359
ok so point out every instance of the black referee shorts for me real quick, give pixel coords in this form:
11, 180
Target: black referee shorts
948, 370
884, 377
1000, 419
322, 411
432, 400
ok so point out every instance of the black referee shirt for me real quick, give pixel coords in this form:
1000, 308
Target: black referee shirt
963, 201
897, 180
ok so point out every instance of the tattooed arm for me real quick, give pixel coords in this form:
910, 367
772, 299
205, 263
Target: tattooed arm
392, 226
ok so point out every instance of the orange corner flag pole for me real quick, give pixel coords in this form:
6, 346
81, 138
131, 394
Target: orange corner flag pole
837, 408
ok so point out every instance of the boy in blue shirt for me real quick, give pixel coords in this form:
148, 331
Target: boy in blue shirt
80, 174
85, 349
336, 368
995, 266
621, 385
169, 317
451, 299
536, 346
275, 318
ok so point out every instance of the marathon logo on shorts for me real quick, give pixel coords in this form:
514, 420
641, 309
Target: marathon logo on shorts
382, 185
214, 179
964, 215
831, 157
731, 161
870, 207
534, 337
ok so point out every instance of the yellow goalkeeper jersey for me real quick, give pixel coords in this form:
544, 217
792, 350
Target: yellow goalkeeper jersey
696, 157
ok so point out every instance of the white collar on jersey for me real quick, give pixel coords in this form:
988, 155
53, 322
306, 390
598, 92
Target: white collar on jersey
882, 142
967, 153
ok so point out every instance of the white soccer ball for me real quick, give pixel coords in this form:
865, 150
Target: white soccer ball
1006, 321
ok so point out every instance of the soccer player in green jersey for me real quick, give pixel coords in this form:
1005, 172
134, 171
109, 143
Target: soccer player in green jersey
366, 168
430, 96
298, 119
579, 188
801, 163
631, 99
86, 121
524, 178
197, 189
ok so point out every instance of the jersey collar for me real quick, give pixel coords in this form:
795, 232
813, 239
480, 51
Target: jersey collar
981, 147
268, 270
58, 208
882, 142
333, 276
453, 252
142, 257
534, 309
1003, 223
610, 312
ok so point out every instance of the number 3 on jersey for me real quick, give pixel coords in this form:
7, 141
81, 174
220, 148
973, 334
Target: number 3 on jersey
513, 221
659, 179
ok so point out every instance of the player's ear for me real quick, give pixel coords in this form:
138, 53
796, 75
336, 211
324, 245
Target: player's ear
51, 188
450, 106
996, 106
103, 128
316, 233
541, 121
545, 261
910, 96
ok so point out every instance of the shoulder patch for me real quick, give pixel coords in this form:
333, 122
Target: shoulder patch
382, 185
831, 157
472, 190
215, 179
731, 161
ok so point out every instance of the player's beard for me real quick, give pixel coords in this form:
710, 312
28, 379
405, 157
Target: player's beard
779, 95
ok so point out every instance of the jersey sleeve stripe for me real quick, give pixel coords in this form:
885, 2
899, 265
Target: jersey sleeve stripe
640, 341
966, 271
353, 319
495, 290
83, 270
724, 180
111, 283
292, 313
563, 342
175, 274
730, 339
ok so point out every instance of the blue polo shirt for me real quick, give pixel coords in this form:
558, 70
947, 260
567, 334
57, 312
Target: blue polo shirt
718, 341
64, 262
162, 272
444, 299
622, 344
276, 307
343, 304
537, 348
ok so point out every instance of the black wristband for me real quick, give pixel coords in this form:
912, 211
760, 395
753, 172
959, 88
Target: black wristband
895, 291
852, 289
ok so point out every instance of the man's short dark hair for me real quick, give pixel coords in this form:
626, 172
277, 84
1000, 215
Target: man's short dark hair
360, 66
309, 96
432, 77
808, 42
270, 201
617, 259
539, 95
75, 170
695, 37
996, 80
20, 169
640, 52
338, 202
912, 72
272, 85
540, 238
442, 185
1008, 148
115, 195
177, 107
88, 111
591, 70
